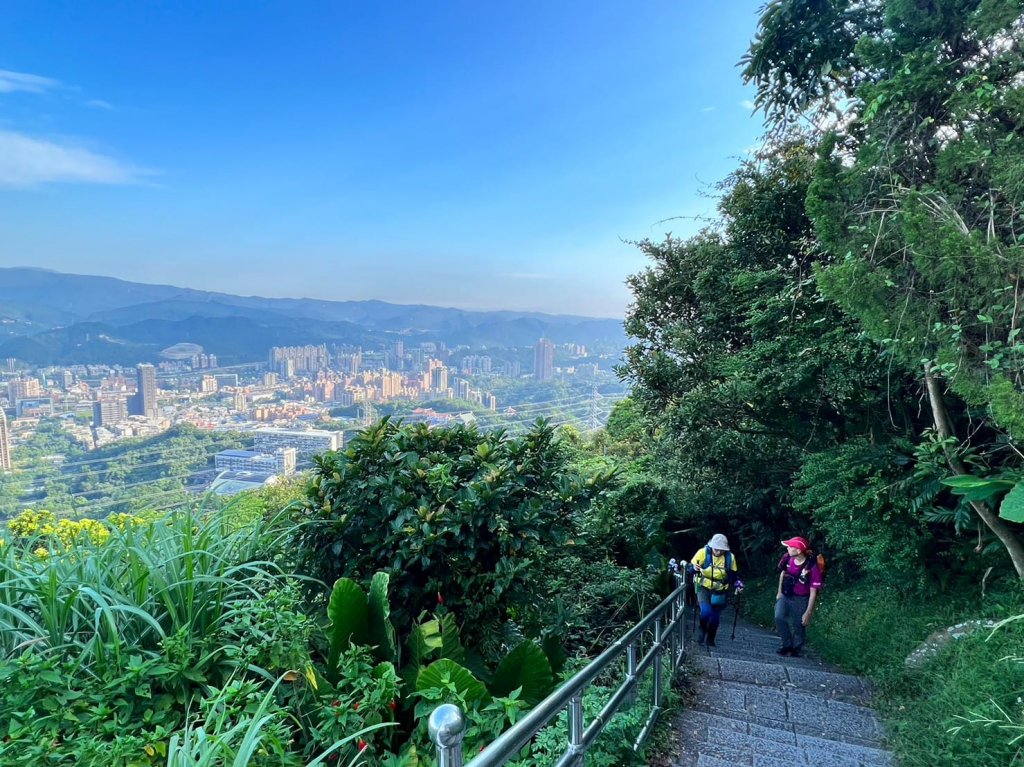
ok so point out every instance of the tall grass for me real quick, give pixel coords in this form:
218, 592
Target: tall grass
222, 742
95, 604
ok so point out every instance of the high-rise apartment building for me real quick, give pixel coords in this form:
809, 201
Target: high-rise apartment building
305, 359
5, 444
23, 388
438, 375
543, 360
143, 402
109, 410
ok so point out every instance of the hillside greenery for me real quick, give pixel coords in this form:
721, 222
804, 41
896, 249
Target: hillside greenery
838, 354
55, 473
283, 629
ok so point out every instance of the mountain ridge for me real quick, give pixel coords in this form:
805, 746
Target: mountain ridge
49, 317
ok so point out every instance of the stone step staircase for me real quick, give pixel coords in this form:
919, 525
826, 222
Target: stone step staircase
754, 708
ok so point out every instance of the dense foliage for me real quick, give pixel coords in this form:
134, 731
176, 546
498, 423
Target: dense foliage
839, 354
57, 473
455, 516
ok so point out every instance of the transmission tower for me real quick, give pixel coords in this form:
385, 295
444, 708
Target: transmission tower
594, 398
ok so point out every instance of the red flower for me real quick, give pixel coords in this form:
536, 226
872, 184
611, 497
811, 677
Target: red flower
393, 705
440, 599
362, 745
336, 703
356, 706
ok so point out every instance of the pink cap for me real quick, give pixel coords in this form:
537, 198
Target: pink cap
797, 543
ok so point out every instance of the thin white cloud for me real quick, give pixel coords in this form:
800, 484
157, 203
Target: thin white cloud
99, 104
26, 161
527, 276
709, 109
748, 104
20, 81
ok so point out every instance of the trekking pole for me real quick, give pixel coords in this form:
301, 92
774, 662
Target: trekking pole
736, 613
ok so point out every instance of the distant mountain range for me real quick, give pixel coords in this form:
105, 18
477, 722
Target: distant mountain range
50, 318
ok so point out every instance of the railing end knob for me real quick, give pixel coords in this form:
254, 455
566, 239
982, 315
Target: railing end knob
446, 725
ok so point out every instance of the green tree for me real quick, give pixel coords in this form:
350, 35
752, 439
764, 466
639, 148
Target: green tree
744, 365
918, 198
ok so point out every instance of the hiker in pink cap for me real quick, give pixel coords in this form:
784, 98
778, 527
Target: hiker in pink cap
801, 577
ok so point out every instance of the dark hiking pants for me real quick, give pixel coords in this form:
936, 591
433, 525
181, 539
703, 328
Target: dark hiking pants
789, 613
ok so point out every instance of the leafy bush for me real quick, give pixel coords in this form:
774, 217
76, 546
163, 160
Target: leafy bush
453, 515
850, 492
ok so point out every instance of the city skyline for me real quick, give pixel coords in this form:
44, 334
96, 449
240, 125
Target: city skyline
466, 156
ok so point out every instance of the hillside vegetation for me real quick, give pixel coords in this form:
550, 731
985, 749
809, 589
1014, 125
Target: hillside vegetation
839, 354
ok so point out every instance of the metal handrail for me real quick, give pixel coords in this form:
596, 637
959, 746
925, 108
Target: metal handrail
447, 724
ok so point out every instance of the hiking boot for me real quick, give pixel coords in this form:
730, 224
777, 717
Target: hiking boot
784, 651
703, 635
795, 652
712, 633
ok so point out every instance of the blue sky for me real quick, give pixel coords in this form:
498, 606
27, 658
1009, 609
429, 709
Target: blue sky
473, 154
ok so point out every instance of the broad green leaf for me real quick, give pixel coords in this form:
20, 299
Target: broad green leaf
526, 667
553, 648
423, 639
347, 612
382, 633
1012, 507
451, 645
976, 488
446, 674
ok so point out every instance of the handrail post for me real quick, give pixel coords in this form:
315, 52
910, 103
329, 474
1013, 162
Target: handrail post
576, 729
680, 618
673, 617
631, 660
447, 727
657, 661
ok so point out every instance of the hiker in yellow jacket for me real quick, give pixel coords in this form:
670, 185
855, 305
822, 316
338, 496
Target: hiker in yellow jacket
714, 574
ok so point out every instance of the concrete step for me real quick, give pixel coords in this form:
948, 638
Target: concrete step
690, 724
707, 737
726, 649
814, 681
806, 714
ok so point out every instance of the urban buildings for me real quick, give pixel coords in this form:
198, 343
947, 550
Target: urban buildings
109, 409
306, 443
305, 359
5, 444
543, 360
23, 388
281, 461
438, 375
143, 402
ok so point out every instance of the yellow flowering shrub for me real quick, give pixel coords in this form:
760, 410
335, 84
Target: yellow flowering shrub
66, 532
30, 523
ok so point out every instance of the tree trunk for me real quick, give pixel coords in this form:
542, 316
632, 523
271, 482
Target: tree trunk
1013, 545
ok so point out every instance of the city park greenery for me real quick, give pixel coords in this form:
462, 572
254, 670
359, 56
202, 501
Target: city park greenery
838, 355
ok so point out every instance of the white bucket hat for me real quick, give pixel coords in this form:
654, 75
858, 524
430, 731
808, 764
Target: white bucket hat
719, 541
